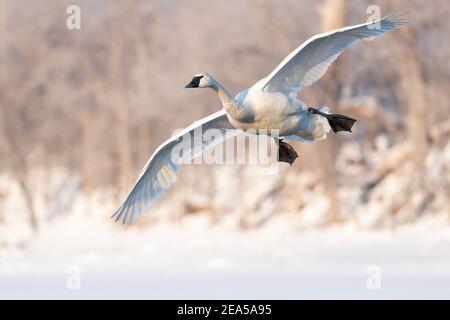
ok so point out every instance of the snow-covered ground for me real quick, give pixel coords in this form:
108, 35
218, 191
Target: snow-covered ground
90, 257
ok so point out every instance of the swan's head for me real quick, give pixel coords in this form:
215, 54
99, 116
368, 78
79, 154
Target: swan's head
201, 80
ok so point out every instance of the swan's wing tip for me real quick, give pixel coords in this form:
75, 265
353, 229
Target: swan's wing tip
159, 173
399, 19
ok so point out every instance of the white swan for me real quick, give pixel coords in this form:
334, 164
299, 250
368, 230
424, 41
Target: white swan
269, 104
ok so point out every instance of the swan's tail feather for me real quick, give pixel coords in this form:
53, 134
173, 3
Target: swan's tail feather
313, 127
321, 125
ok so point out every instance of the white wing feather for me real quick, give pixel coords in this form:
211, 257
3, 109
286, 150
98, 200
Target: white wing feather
159, 173
309, 62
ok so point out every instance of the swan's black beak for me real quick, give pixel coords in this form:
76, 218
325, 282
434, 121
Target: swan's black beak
190, 85
194, 82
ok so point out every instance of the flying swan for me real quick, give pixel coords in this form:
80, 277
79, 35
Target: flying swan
271, 103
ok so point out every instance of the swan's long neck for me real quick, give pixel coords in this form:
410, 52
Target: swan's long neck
230, 105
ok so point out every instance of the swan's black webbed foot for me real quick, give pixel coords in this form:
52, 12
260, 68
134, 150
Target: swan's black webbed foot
337, 122
286, 153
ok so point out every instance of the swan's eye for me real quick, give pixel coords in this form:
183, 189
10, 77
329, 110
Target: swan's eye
195, 82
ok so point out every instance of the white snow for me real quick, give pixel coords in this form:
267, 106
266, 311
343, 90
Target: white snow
193, 259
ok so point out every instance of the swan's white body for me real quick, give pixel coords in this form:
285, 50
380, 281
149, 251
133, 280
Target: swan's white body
276, 110
269, 104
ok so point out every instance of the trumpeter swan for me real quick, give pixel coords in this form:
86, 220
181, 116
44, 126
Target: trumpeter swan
271, 103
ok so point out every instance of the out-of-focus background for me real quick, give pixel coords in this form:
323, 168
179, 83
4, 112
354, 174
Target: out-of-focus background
362, 215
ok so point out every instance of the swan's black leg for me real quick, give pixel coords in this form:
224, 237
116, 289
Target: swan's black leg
337, 122
286, 153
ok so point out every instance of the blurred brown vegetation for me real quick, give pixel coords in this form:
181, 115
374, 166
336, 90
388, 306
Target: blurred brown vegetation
99, 100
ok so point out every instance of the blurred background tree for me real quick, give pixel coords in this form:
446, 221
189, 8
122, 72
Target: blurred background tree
96, 102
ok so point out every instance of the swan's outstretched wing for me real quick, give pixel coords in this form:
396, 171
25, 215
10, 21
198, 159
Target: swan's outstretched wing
306, 64
160, 171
